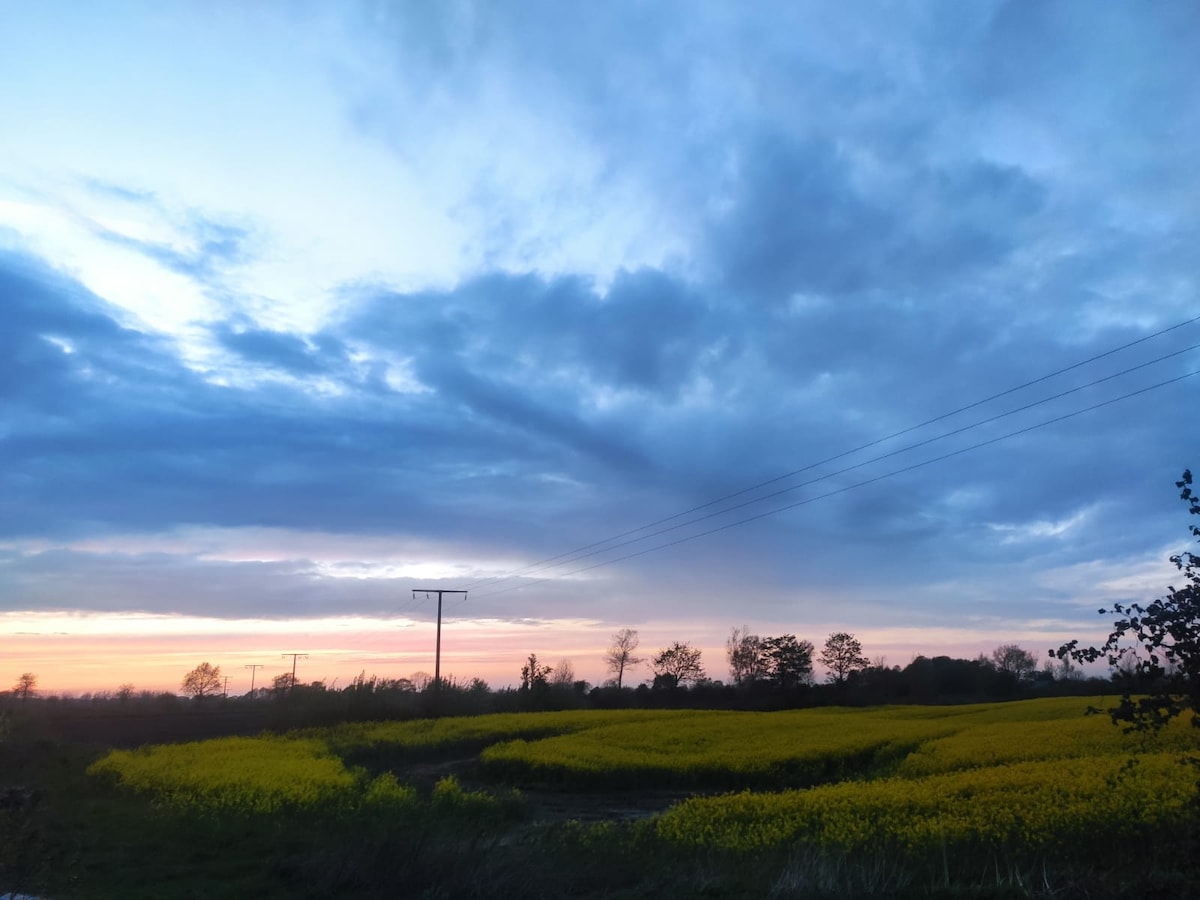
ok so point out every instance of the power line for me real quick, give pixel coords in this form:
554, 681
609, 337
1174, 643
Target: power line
720, 512
842, 490
615, 543
571, 555
880, 457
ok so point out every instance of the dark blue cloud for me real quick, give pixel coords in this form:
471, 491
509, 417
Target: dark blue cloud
59, 342
800, 224
104, 424
648, 333
119, 435
510, 405
275, 349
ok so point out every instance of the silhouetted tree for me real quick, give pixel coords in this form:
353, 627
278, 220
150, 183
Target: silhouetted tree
676, 665
926, 679
534, 675
841, 656
202, 681
1017, 662
789, 661
25, 685
620, 655
1160, 642
282, 684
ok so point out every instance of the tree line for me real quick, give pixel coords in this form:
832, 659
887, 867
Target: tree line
760, 668
764, 672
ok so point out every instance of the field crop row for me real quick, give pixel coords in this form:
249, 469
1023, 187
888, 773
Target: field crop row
985, 743
716, 750
260, 775
420, 736
1031, 807
268, 775
801, 748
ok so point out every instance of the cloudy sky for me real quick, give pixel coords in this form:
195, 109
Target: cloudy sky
677, 316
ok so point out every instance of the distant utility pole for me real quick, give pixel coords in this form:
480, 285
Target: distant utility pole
253, 671
437, 659
225, 689
294, 656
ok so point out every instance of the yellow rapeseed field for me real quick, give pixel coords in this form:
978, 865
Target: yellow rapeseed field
1038, 775
713, 749
1036, 806
258, 774
1035, 775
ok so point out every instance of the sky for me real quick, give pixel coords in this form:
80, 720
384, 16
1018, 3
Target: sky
674, 316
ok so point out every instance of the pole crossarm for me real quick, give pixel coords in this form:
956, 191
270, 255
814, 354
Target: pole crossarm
254, 667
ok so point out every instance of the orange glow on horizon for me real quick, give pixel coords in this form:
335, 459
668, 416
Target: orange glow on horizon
74, 653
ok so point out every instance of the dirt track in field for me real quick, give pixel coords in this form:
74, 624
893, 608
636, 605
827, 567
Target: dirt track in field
548, 805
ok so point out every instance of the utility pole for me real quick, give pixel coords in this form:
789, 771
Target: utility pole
437, 659
225, 688
294, 656
253, 671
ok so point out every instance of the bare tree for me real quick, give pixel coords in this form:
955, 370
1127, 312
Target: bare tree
202, 681
25, 685
744, 651
563, 675
678, 664
842, 655
420, 681
1063, 671
1127, 667
620, 655
1019, 663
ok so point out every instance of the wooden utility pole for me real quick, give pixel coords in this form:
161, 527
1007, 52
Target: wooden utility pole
253, 671
294, 656
437, 658
225, 687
